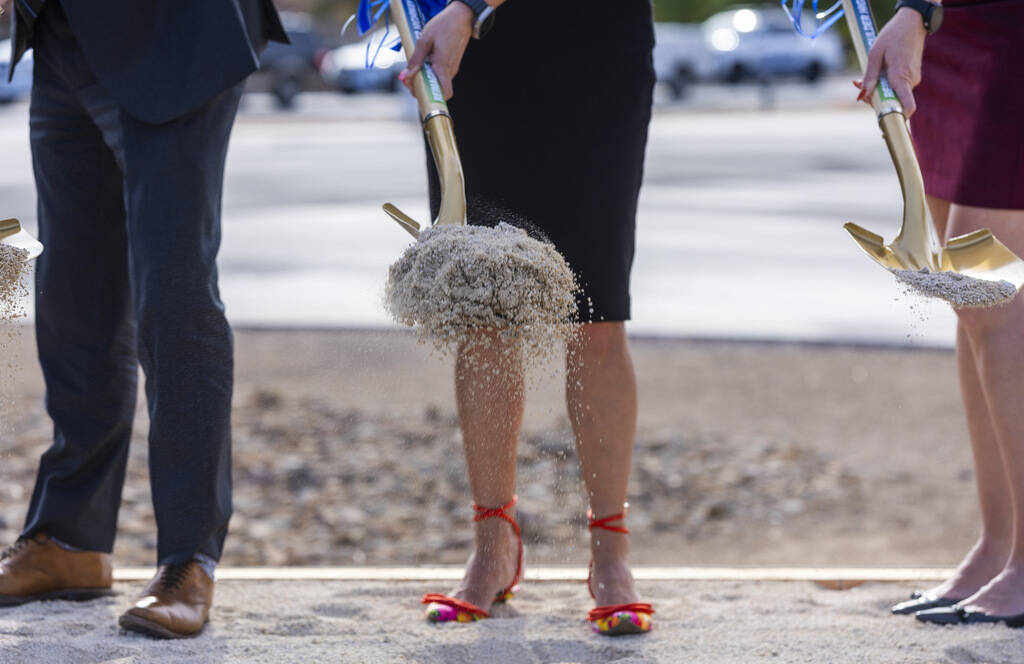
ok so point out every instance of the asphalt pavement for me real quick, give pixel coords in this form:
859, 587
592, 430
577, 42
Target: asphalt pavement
739, 230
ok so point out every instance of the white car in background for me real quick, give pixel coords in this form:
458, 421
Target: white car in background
679, 56
21, 86
760, 43
367, 65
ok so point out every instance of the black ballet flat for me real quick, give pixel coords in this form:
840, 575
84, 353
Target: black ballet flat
959, 616
920, 601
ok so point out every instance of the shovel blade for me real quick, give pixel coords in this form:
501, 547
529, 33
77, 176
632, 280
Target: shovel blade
979, 255
982, 256
883, 254
13, 235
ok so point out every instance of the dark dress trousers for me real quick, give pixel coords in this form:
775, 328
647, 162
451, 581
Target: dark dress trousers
132, 106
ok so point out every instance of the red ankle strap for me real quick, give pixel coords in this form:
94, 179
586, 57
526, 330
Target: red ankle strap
603, 522
497, 513
501, 513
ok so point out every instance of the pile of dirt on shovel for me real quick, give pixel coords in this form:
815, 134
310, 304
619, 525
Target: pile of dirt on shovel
959, 290
456, 279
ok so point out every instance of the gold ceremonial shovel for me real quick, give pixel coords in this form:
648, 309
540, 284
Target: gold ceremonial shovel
13, 235
978, 254
437, 124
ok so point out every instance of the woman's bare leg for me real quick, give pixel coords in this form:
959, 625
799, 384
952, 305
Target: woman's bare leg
989, 554
602, 401
997, 341
489, 396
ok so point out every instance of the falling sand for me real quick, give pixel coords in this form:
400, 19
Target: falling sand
457, 279
959, 290
13, 290
13, 286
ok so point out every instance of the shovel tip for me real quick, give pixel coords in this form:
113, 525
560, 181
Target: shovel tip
862, 234
405, 221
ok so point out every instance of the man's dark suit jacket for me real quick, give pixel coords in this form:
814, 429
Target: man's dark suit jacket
161, 59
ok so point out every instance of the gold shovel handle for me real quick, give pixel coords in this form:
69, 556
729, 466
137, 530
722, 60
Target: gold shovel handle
437, 122
915, 244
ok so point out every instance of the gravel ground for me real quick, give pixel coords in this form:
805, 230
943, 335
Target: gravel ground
696, 622
347, 451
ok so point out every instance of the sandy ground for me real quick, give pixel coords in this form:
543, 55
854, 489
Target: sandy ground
347, 451
697, 622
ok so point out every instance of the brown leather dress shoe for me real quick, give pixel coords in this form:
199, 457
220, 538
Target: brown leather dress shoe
36, 568
174, 605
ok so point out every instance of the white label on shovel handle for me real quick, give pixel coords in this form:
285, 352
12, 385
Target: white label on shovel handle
865, 23
432, 83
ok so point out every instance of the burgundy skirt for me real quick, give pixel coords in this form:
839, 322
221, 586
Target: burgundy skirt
969, 126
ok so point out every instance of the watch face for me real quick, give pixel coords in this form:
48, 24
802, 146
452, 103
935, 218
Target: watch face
935, 20
484, 26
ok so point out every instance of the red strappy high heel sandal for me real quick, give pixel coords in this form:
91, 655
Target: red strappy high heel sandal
616, 619
441, 608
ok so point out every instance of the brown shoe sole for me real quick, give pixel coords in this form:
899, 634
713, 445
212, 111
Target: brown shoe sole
149, 628
69, 594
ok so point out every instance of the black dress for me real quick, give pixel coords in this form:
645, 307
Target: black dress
551, 111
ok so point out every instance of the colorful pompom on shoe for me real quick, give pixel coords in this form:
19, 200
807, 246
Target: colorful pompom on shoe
621, 619
617, 619
442, 608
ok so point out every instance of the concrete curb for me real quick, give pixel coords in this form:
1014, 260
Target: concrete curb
840, 576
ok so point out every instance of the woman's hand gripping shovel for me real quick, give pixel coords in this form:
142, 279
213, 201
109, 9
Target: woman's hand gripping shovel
437, 124
978, 254
13, 235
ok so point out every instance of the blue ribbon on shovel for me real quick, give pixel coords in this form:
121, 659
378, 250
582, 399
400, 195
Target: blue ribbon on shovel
370, 11
369, 14
823, 20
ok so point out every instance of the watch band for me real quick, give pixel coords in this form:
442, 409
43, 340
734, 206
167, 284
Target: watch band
478, 6
931, 13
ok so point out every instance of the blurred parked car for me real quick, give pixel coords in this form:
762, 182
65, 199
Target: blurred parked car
678, 55
753, 43
364, 66
21, 86
288, 69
